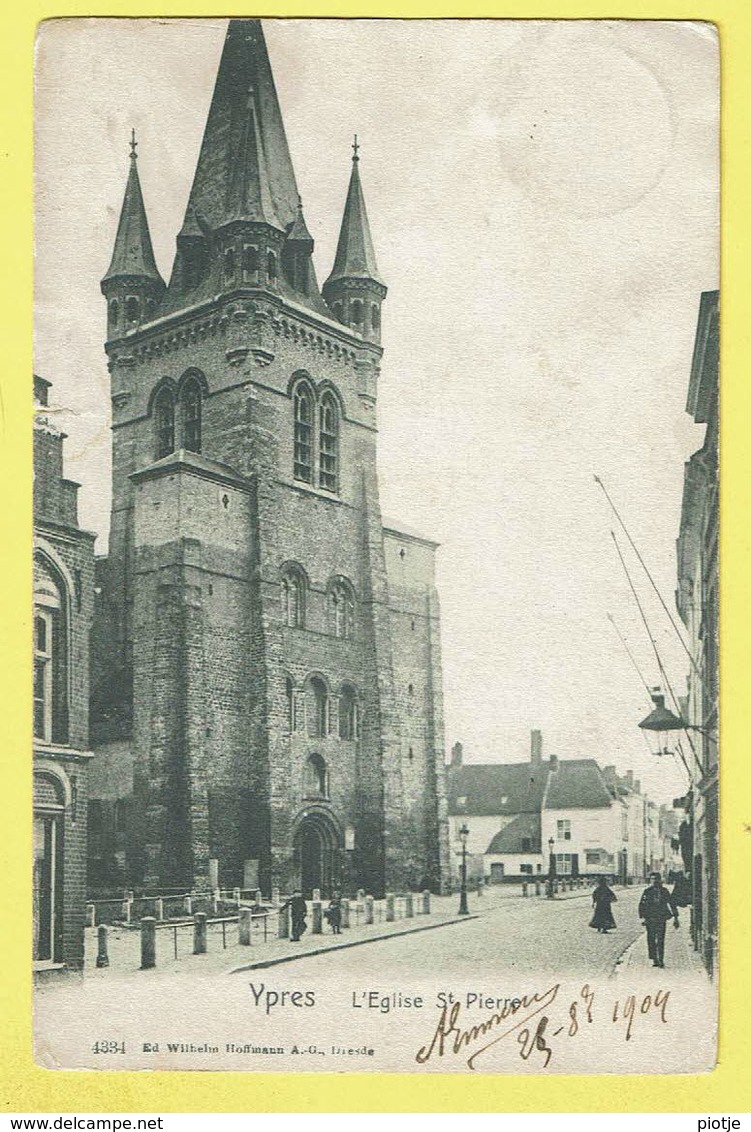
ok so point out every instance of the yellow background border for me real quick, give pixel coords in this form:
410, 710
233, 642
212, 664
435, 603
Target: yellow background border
23, 1086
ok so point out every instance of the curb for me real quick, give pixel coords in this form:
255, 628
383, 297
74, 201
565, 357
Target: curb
343, 946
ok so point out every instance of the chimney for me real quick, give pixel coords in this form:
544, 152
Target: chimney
609, 775
554, 762
630, 779
457, 754
535, 753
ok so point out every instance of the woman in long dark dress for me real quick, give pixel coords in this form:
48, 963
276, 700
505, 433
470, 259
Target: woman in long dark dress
602, 898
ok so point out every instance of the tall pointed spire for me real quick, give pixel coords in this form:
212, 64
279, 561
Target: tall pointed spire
355, 255
133, 255
244, 168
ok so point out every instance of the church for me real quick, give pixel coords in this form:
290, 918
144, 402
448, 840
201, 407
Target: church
266, 673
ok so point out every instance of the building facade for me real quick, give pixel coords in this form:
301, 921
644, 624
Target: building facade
267, 650
697, 598
63, 607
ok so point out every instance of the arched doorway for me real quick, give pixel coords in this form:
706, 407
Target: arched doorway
317, 854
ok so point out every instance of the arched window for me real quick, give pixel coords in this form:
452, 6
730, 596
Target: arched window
50, 654
328, 450
271, 267
190, 403
375, 317
341, 609
349, 723
338, 312
303, 433
316, 777
150, 308
132, 309
250, 263
356, 312
164, 414
229, 265
317, 707
293, 597
114, 312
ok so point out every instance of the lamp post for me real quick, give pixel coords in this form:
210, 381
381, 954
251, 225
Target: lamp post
463, 909
551, 869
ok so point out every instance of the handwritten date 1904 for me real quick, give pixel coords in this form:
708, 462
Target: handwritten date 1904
532, 1023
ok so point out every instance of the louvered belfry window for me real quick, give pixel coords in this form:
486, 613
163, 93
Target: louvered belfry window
303, 434
329, 444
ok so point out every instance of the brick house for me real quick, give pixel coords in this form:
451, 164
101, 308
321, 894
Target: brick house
268, 692
63, 609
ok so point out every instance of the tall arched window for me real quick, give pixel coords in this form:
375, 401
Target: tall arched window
229, 265
349, 723
293, 597
328, 448
375, 316
303, 433
132, 309
341, 609
50, 654
316, 777
356, 312
190, 403
164, 415
317, 707
271, 267
250, 263
114, 312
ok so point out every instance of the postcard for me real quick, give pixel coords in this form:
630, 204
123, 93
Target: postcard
376, 545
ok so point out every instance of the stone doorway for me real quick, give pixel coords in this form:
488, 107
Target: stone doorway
317, 855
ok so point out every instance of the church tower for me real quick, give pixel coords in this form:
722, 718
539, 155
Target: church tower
268, 652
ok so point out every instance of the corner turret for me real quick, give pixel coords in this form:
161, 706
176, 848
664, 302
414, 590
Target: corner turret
132, 286
354, 290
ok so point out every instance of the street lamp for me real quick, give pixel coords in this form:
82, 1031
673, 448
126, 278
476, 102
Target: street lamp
551, 868
463, 835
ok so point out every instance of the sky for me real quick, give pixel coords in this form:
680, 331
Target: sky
543, 198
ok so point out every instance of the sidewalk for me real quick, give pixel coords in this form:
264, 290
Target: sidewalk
679, 952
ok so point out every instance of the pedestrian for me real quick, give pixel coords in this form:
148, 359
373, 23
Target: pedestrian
656, 907
298, 911
334, 914
602, 897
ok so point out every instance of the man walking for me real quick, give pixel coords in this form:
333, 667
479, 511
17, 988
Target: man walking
298, 911
656, 907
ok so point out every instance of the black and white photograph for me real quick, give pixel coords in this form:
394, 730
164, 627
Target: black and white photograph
375, 634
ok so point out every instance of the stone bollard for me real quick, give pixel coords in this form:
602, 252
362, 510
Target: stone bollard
246, 926
188, 905
159, 908
102, 959
282, 930
368, 909
426, 903
360, 895
199, 933
316, 895
481, 886
317, 923
537, 888
390, 908
148, 943
525, 888
215, 898
236, 896
276, 897
345, 913
91, 915
409, 906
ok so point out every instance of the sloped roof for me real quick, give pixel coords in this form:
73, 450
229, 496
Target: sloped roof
133, 254
577, 784
355, 255
509, 839
193, 462
496, 788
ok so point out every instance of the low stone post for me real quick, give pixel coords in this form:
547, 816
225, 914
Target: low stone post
345, 913
148, 943
199, 933
537, 888
215, 898
317, 925
246, 926
159, 908
236, 896
390, 908
188, 905
481, 886
102, 959
282, 930
316, 895
91, 915
525, 888
276, 897
368, 909
426, 903
127, 908
360, 895
409, 906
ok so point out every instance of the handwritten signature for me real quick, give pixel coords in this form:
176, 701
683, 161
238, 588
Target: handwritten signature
516, 1018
